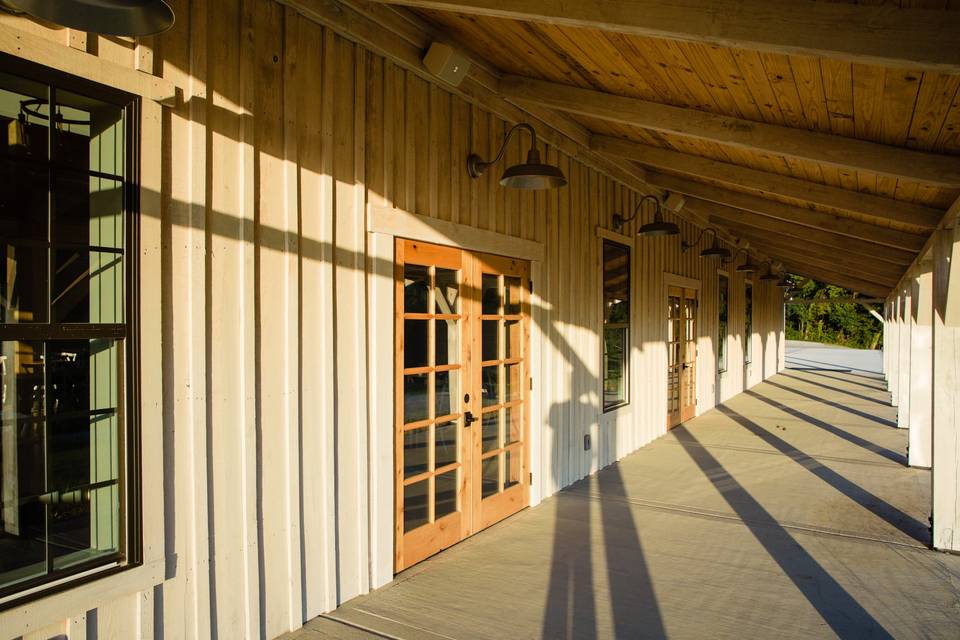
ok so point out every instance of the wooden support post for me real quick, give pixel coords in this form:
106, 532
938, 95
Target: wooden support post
903, 415
946, 400
921, 398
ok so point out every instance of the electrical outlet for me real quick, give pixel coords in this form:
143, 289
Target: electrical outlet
586, 442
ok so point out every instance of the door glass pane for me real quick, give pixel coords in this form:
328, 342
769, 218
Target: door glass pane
445, 444
446, 291
445, 496
415, 507
416, 285
415, 449
513, 424
490, 438
415, 343
415, 398
490, 476
511, 305
490, 385
513, 389
490, 294
512, 339
446, 391
491, 347
511, 468
447, 340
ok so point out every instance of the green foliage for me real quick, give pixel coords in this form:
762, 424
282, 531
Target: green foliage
842, 323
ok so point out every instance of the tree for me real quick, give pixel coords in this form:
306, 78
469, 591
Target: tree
843, 323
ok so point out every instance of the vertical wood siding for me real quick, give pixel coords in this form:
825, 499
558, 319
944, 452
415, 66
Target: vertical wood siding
285, 133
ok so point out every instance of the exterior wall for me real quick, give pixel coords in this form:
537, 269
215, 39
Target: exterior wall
265, 336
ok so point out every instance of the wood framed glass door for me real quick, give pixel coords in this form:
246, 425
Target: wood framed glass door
681, 355
462, 397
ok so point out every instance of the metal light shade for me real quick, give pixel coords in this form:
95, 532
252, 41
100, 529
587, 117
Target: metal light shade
107, 17
746, 267
716, 251
533, 174
659, 227
769, 277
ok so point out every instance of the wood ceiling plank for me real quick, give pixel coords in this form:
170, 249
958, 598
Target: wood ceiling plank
755, 75
789, 213
784, 88
837, 77
831, 150
936, 90
886, 36
762, 183
809, 81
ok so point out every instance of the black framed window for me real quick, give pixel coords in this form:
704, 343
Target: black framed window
68, 443
616, 325
723, 295
748, 324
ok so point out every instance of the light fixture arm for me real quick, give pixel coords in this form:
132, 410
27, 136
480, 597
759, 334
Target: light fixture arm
476, 166
619, 221
686, 246
736, 255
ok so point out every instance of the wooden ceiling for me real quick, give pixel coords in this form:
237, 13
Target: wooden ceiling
819, 148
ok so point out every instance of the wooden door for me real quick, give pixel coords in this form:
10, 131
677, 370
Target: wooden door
681, 355
461, 398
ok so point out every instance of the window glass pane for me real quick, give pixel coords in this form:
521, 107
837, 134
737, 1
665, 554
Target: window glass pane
415, 343
511, 468
490, 385
491, 347
490, 438
511, 287
416, 287
415, 397
446, 389
89, 134
490, 476
513, 425
88, 286
446, 291
87, 210
616, 320
23, 252
748, 323
445, 444
445, 494
513, 389
722, 298
512, 339
490, 294
416, 443
24, 112
447, 338
415, 507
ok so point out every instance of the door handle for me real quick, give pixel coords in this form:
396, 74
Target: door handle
469, 419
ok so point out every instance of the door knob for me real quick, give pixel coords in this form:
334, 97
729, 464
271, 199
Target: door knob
468, 419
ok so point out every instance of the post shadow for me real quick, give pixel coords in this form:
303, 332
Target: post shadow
840, 610
875, 504
842, 407
836, 389
822, 373
826, 426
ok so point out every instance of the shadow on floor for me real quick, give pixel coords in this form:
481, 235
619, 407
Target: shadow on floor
839, 609
860, 414
837, 389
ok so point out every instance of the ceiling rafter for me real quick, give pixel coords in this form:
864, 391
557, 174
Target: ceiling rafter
801, 144
767, 184
881, 35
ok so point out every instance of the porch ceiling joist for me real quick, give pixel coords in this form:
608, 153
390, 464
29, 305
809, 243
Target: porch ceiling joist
789, 213
764, 183
733, 218
881, 35
813, 146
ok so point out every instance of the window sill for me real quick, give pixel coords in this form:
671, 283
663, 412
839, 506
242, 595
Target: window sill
615, 408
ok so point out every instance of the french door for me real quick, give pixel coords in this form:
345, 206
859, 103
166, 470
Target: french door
462, 395
681, 355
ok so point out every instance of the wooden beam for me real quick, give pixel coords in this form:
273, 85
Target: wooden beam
732, 218
823, 148
841, 280
763, 183
790, 213
887, 36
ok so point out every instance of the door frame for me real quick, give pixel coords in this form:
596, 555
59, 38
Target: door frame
375, 465
684, 282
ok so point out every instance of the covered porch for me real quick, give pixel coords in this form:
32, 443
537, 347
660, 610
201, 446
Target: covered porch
789, 510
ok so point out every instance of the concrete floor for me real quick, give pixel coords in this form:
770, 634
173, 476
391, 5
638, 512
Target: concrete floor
785, 513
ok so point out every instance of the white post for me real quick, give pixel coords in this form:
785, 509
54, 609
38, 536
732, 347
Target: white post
921, 370
893, 376
903, 386
946, 382
886, 340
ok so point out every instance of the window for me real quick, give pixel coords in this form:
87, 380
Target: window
723, 293
748, 324
67, 440
616, 324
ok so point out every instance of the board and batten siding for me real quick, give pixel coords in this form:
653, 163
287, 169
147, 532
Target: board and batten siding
265, 334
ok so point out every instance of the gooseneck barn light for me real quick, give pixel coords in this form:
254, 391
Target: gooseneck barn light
714, 251
107, 17
658, 227
746, 267
532, 174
